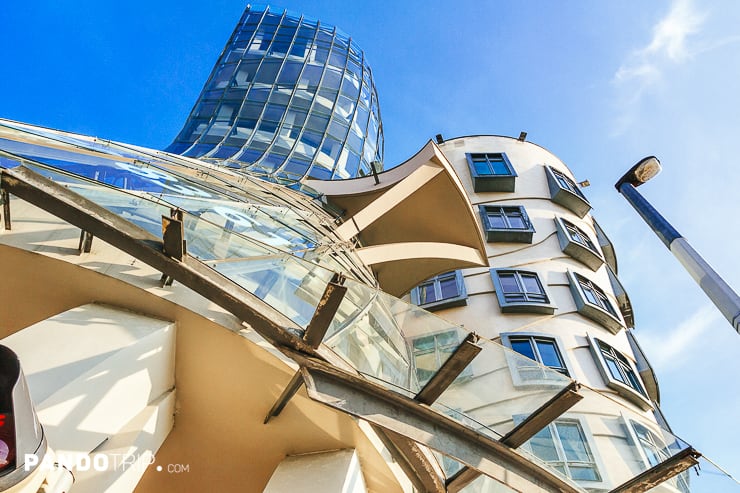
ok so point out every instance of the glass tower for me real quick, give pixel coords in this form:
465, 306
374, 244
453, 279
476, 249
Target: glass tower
289, 97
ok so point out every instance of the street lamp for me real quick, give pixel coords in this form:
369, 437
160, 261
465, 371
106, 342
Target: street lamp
721, 294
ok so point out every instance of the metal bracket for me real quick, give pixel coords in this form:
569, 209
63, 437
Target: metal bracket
325, 311
450, 370
5, 199
289, 391
544, 415
86, 239
173, 235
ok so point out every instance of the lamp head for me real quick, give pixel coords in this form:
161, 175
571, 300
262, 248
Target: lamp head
641, 172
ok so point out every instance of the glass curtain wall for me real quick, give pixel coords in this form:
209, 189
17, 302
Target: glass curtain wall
290, 97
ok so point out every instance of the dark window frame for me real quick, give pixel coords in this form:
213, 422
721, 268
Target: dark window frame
460, 299
589, 306
535, 374
506, 233
565, 191
522, 301
576, 243
491, 182
628, 384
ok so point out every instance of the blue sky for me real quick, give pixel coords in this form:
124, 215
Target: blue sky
599, 84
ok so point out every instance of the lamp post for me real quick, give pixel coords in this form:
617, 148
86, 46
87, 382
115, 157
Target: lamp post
721, 294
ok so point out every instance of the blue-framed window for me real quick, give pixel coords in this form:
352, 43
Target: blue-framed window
541, 349
536, 353
520, 291
595, 295
592, 302
564, 191
507, 223
491, 172
575, 242
619, 373
442, 291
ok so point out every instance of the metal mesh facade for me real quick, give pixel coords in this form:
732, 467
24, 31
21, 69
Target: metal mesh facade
289, 98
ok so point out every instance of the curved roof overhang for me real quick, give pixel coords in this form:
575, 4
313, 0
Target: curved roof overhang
413, 221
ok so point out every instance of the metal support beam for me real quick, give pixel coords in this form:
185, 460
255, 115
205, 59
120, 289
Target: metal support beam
289, 391
461, 479
325, 311
662, 472
450, 370
413, 460
111, 228
546, 414
371, 402
86, 240
5, 199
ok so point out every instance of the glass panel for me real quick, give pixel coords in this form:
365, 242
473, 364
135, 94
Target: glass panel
509, 283
549, 353
496, 221
290, 286
516, 221
426, 293
448, 287
499, 167
524, 347
531, 283
543, 445
573, 442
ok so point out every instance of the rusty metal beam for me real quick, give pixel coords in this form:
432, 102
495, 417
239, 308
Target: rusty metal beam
325, 311
413, 460
450, 370
139, 243
371, 402
461, 479
295, 383
544, 415
664, 471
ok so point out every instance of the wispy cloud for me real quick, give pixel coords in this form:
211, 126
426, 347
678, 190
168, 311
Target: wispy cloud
668, 351
667, 46
643, 67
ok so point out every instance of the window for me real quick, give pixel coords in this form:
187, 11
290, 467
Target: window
565, 192
506, 223
540, 348
652, 451
592, 302
619, 373
576, 243
520, 292
595, 295
491, 172
443, 291
431, 351
563, 445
